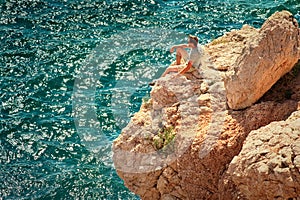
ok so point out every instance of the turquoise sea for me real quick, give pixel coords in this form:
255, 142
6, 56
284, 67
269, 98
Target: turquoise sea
72, 74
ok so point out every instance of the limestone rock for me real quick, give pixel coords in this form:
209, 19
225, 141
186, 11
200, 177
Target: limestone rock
268, 165
257, 58
146, 170
180, 143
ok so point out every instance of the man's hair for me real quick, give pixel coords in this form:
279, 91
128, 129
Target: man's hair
193, 39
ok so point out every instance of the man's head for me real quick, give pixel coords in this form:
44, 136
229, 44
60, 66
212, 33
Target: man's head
193, 40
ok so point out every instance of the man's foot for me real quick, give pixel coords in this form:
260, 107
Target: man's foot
152, 83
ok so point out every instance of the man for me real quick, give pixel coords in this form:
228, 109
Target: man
192, 59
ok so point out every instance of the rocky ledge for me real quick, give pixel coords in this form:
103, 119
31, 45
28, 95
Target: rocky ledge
227, 131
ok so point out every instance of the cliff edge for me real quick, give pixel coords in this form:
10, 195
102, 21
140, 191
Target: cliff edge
227, 131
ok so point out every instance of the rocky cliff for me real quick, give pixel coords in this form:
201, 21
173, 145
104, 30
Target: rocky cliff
191, 140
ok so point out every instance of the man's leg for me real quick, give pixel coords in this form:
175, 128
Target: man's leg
181, 53
170, 69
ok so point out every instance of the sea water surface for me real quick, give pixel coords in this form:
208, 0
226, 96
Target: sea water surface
72, 74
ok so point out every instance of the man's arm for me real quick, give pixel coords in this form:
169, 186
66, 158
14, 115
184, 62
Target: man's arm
179, 46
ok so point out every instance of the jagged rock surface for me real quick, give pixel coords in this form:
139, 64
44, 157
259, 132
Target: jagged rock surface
208, 134
268, 167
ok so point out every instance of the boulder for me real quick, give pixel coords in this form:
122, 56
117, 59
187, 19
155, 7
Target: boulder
267, 54
268, 167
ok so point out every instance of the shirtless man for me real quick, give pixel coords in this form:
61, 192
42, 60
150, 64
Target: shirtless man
192, 59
